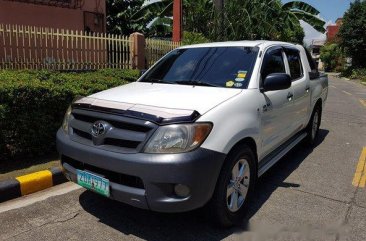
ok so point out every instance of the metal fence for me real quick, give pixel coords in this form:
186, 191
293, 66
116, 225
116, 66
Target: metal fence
155, 49
46, 48
29, 47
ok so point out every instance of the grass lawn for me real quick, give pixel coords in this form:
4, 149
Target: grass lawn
14, 168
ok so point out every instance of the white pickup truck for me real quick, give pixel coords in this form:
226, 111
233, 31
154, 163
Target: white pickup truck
197, 129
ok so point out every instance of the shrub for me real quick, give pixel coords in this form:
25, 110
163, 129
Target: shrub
32, 105
350, 73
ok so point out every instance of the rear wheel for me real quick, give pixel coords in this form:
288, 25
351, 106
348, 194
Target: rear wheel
312, 129
234, 187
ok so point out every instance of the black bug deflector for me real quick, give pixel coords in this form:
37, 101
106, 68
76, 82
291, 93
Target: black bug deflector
158, 115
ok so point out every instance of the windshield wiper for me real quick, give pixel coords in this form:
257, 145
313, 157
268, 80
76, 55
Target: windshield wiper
153, 80
195, 82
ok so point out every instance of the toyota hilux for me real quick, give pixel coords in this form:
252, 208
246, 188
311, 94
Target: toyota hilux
196, 129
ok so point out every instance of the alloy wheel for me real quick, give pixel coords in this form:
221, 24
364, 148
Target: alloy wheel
238, 186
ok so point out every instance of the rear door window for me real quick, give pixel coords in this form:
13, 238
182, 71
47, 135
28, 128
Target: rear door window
294, 62
311, 61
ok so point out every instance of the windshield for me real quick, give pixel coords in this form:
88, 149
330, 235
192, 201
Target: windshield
229, 67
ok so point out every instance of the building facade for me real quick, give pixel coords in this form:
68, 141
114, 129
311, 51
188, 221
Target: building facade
332, 30
80, 15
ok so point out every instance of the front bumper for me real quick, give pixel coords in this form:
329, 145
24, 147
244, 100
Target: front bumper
199, 170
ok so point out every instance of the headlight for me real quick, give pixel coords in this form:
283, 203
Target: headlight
178, 138
65, 123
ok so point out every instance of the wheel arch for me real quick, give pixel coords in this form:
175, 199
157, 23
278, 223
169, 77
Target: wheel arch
249, 141
318, 103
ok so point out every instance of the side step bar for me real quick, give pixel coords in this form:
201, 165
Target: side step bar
282, 150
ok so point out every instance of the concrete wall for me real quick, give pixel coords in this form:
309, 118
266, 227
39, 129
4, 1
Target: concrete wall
13, 12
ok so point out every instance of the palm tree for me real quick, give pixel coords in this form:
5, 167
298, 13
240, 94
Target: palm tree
298, 10
158, 15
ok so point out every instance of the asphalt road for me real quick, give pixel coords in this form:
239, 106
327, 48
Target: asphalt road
308, 195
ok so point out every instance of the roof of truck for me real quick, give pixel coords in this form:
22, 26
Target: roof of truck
244, 43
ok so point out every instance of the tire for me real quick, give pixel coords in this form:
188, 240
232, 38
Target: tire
222, 209
312, 130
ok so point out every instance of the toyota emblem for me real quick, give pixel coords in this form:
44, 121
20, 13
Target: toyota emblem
98, 128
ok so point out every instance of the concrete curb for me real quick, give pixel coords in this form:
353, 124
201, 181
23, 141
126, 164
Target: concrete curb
30, 183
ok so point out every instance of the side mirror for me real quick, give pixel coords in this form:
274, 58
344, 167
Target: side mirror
277, 81
142, 72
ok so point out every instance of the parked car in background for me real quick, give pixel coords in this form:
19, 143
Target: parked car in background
198, 128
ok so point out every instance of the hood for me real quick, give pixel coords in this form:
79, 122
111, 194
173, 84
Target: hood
186, 97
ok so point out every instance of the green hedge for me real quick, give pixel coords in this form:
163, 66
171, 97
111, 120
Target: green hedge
33, 103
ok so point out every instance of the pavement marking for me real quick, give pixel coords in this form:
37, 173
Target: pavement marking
363, 181
35, 182
348, 93
38, 196
363, 102
359, 179
333, 86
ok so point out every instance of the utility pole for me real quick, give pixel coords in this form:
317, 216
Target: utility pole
177, 20
219, 4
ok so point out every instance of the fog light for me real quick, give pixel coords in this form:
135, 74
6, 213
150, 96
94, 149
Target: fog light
181, 190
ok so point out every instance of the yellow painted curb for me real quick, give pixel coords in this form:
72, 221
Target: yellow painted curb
359, 179
35, 182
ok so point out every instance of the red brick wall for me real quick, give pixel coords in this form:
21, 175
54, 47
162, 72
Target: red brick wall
13, 12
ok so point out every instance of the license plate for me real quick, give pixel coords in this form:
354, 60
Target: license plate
93, 182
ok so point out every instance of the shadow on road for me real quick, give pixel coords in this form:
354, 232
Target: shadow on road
153, 226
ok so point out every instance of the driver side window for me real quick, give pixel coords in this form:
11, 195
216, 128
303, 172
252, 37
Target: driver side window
273, 62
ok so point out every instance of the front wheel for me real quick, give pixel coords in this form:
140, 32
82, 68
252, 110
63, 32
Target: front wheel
234, 187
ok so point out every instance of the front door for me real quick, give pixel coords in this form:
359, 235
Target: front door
277, 106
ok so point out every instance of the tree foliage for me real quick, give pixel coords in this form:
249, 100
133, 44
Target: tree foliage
258, 19
331, 55
119, 16
298, 10
239, 19
193, 38
353, 33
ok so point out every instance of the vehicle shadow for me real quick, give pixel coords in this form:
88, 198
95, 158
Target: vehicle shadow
193, 225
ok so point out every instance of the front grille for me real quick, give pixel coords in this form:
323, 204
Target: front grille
124, 134
123, 179
117, 124
83, 134
121, 143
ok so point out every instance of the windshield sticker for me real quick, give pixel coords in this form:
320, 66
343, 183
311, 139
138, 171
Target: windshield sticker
242, 74
239, 79
230, 83
238, 84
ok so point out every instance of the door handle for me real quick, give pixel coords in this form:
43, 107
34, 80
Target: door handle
307, 89
289, 96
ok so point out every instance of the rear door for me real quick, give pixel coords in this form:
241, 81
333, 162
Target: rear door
278, 105
301, 89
